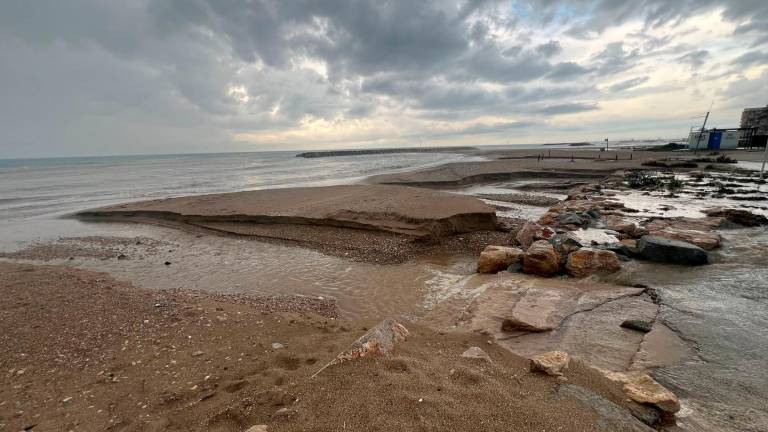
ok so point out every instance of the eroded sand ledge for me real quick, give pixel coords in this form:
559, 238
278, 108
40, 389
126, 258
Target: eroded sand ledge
405, 210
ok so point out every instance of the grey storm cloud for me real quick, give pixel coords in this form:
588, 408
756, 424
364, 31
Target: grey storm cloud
628, 84
695, 59
568, 108
89, 76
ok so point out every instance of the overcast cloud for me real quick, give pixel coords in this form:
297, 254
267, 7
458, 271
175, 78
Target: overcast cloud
82, 77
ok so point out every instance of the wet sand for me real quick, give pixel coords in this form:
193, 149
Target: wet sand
81, 351
416, 212
555, 164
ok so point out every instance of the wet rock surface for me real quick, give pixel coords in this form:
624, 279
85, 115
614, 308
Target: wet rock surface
612, 417
704, 240
497, 258
660, 249
739, 216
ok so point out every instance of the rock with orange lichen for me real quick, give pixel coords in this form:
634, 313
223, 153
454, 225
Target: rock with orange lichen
497, 258
541, 259
588, 261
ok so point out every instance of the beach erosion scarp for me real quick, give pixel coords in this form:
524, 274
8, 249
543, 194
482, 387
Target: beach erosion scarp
398, 209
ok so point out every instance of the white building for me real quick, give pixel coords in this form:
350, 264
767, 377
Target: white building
714, 139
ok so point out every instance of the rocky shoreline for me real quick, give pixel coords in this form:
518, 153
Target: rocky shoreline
551, 315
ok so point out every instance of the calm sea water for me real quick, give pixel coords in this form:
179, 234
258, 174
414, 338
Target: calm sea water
45, 188
36, 193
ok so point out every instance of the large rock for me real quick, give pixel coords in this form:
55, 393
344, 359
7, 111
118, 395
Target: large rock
531, 231
564, 244
704, 240
551, 363
570, 218
588, 261
641, 388
379, 340
541, 259
617, 223
497, 258
738, 216
664, 250
685, 223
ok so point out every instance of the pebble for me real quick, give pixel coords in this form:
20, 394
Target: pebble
197, 353
284, 412
277, 345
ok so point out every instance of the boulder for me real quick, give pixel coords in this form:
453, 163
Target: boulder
738, 216
629, 243
497, 258
570, 218
704, 240
564, 244
621, 249
550, 217
685, 223
531, 231
379, 340
541, 259
588, 261
664, 250
476, 353
551, 363
617, 223
643, 389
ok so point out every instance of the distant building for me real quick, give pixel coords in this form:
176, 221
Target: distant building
714, 139
756, 118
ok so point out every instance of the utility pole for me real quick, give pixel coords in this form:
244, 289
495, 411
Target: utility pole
701, 132
703, 126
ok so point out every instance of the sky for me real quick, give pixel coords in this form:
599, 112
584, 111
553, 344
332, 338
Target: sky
93, 77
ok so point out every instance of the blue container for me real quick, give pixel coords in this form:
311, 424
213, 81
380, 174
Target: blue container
714, 140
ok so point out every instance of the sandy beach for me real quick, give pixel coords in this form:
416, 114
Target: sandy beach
216, 310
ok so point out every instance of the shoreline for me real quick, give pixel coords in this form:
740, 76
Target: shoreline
401, 231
